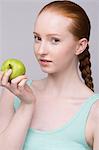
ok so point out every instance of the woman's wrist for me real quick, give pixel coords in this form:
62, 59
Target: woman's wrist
28, 101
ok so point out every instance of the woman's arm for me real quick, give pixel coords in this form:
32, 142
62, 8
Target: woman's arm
12, 138
15, 134
6, 108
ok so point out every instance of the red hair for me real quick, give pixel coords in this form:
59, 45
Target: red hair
80, 28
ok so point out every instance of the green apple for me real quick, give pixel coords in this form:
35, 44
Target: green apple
16, 65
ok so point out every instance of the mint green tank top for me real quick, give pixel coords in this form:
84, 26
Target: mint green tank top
70, 136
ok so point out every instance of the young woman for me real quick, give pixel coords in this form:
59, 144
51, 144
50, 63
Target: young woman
59, 112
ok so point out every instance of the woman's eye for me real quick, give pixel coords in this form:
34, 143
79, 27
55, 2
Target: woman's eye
37, 38
55, 40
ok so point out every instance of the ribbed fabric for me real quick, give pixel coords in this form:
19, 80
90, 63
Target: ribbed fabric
70, 136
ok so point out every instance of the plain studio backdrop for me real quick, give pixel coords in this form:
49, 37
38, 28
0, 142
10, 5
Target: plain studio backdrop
16, 40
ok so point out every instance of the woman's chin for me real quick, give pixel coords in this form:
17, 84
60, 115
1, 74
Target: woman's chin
48, 71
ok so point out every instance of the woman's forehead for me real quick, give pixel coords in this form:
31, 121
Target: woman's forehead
52, 21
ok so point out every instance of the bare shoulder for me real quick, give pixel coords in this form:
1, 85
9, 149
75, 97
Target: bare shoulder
95, 110
94, 117
96, 125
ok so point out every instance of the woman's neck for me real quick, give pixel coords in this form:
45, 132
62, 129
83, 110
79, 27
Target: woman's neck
64, 83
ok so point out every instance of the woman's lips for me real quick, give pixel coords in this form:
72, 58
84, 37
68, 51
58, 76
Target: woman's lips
44, 62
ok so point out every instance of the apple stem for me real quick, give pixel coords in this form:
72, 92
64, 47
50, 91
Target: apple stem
10, 66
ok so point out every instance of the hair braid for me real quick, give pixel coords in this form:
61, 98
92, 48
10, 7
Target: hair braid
85, 68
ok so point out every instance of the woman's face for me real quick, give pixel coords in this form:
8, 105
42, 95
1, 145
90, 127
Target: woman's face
54, 42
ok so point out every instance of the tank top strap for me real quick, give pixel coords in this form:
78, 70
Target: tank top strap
81, 122
88, 104
17, 100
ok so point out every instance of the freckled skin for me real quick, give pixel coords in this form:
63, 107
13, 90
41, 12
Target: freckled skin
62, 53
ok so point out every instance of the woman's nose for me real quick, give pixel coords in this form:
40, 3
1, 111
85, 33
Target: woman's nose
43, 49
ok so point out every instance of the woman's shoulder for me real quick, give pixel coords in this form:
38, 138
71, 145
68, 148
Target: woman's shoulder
95, 121
96, 111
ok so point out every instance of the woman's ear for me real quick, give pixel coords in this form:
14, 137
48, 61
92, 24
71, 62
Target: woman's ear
82, 44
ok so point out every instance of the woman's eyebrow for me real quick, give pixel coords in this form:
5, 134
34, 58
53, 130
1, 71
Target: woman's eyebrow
35, 33
53, 34
50, 34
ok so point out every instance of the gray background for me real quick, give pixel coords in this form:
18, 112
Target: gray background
16, 40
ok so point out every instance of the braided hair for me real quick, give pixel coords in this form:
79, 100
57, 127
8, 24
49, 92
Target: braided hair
85, 68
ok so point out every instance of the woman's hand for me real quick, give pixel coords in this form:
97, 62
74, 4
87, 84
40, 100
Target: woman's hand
17, 86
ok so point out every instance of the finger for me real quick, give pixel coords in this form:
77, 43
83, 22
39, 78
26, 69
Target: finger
22, 83
18, 79
1, 73
1, 76
17, 88
6, 76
